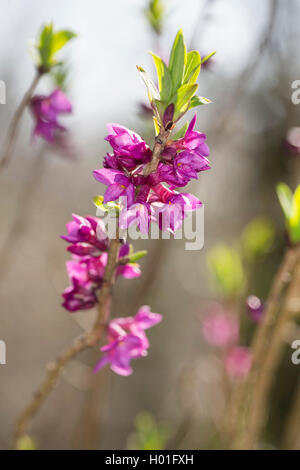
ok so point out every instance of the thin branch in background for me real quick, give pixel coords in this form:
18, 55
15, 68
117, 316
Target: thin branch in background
79, 344
201, 20
291, 439
86, 433
268, 371
20, 221
14, 125
242, 399
244, 78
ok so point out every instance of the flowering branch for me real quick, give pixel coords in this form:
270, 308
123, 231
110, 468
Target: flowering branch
82, 342
48, 44
140, 175
13, 128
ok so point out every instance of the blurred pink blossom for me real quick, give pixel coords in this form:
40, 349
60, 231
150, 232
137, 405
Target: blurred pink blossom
220, 328
238, 362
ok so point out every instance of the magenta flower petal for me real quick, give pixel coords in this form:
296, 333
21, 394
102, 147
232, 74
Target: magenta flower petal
106, 175
113, 192
103, 361
127, 341
59, 102
146, 319
129, 271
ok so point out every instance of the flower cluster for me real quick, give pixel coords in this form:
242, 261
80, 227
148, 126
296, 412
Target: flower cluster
127, 340
46, 110
221, 329
88, 245
152, 197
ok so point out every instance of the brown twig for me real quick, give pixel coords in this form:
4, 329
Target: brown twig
13, 128
271, 363
79, 344
22, 213
245, 392
159, 145
291, 438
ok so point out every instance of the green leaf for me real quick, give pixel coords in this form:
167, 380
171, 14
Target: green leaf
182, 98
192, 68
44, 45
132, 258
294, 220
177, 60
107, 207
153, 92
181, 132
164, 78
206, 58
156, 125
285, 198
60, 38
49, 43
290, 204
198, 101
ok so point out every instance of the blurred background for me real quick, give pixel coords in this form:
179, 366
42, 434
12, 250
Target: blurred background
177, 395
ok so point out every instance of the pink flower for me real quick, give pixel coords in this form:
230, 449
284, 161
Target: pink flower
238, 362
87, 235
127, 340
221, 328
46, 110
129, 148
184, 158
139, 214
86, 274
292, 141
170, 207
118, 185
147, 199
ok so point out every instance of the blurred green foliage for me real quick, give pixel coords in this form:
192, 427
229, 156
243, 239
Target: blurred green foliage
60, 75
48, 44
148, 434
26, 443
227, 270
155, 14
229, 264
257, 238
290, 204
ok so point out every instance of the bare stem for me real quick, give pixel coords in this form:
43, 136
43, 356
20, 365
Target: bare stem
291, 440
271, 363
79, 344
245, 396
160, 142
13, 127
